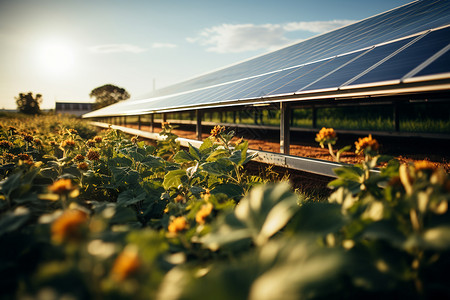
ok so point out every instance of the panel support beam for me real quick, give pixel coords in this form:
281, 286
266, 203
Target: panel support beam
198, 127
285, 130
139, 122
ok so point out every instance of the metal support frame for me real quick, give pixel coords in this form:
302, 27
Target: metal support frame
198, 127
314, 116
285, 132
139, 122
152, 122
396, 117
164, 118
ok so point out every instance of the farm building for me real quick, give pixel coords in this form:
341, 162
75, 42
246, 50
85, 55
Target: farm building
73, 108
390, 64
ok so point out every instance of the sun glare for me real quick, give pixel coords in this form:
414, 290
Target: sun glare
56, 57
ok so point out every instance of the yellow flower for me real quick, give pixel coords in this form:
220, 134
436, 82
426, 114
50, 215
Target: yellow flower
326, 136
126, 263
28, 138
90, 143
217, 130
93, 155
178, 224
62, 186
203, 213
364, 143
69, 225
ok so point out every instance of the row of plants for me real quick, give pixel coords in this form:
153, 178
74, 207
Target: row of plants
106, 216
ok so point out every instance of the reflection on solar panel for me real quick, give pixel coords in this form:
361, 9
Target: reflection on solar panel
406, 44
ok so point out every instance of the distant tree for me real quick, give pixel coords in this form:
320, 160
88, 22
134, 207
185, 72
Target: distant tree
28, 104
108, 94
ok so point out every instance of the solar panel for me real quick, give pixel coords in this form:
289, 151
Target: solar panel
385, 47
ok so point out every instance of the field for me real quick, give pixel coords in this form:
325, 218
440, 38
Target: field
98, 215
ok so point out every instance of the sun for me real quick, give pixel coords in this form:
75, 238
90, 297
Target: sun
56, 56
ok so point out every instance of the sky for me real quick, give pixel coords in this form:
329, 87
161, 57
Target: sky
65, 49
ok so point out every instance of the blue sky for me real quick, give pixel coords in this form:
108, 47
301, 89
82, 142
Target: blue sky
64, 49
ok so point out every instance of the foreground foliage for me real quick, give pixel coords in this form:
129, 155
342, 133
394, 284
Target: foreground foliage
109, 217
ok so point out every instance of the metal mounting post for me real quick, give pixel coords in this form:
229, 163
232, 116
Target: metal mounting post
198, 128
285, 128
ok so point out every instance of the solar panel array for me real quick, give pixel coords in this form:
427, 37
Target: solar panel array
396, 46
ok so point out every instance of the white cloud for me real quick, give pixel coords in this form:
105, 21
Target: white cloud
163, 45
116, 48
232, 38
316, 26
228, 38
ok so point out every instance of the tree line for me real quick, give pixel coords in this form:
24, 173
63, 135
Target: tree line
104, 95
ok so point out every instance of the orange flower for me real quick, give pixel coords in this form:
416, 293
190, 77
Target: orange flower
217, 130
62, 186
126, 263
73, 131
178, 224
93, 155
203, 213
179, 198
68, 144
6, 144
68, 226
24, 156
364, 143
98, 139
79, 157
83, 166
38, 142
424, 165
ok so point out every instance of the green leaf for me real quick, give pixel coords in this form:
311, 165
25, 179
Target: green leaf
206, 145
236, 157
183, 156
317, 218
260, 215
174, 179
349, 173
12, 221
153, 162
195, 152
217, 154
217, 168
131, 197
11, 183
231, 190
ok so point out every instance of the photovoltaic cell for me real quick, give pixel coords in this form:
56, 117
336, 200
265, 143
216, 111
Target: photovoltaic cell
440, 65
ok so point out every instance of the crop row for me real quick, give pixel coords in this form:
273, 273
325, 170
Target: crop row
98, 215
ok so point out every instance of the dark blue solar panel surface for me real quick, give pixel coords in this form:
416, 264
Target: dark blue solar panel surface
408, 59
440, 65
309, 61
